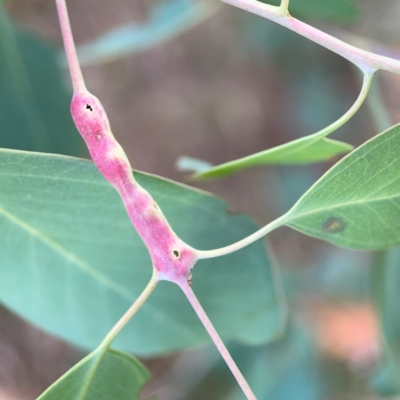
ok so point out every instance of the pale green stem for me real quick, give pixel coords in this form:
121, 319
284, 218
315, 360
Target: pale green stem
131, 312
284, 8
202, 254
368, 76
365, 60
377, 108
217, 340
367, 80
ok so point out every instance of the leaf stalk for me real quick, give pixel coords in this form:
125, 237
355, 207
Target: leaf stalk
202, 254
148, 290
284, 8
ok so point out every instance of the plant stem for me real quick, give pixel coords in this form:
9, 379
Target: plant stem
76, 74
377, 108
284, 8
131, 312
217, 340
366, 85
363, 59
201, 254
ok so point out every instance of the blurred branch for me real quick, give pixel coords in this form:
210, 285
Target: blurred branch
165, 23
366, 61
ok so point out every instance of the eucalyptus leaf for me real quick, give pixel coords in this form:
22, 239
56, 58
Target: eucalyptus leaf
72, 264
34, 105
306, 150
109, 375
356, 203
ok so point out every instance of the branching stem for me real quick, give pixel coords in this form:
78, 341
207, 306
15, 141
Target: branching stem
217, 340
366, 85
363, 59
284, 8
368, 76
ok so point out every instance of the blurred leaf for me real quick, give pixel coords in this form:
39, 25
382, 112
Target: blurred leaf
337, 274
284, 370
331, 10
113, 375
306, 150
357, 202
165, 22
190, 164
386, 283
34, 105
72, 263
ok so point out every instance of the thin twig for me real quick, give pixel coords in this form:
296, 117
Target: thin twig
365, 60
148, 290
202, 254
76, 74
217, 340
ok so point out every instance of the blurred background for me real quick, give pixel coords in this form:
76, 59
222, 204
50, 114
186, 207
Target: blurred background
208, 81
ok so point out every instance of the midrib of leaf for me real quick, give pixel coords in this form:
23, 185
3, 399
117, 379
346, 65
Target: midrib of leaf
298, 149
335, 173
285, 145
337, 166
68, 255
92, 374
261, 154
89, 380
181, 329
364, 201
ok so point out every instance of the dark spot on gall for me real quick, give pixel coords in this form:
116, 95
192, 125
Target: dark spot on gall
176, 253
189, 279
89, 107
334, 225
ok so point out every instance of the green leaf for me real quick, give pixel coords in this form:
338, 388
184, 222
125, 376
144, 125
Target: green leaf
110, 375
306, 150
34, 115
356, 203
330, 10
72, 263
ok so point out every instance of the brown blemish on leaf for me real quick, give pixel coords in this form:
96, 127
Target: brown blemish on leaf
334, 225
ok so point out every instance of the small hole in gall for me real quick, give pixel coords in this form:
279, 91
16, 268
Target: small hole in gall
89, 107
176, 254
